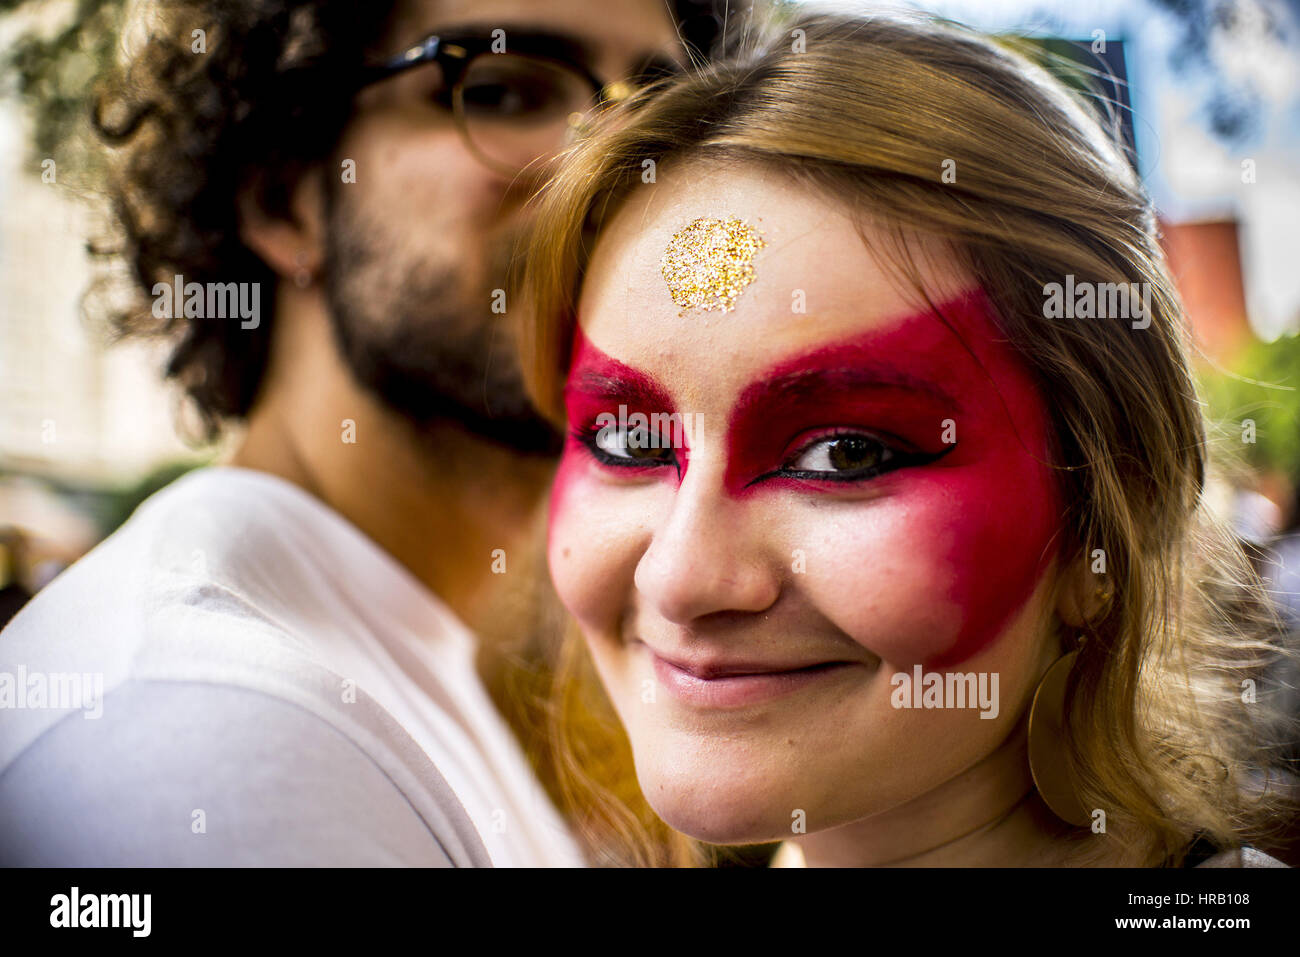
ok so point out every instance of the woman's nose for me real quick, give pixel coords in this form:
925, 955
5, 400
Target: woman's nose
708, 555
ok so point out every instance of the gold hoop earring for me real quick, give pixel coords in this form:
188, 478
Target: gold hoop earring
1047, 756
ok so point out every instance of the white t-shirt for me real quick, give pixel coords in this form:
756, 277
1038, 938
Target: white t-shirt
239, 676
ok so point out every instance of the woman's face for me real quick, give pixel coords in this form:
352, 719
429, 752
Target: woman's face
850, 490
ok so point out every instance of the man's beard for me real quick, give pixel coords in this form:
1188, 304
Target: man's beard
412, 337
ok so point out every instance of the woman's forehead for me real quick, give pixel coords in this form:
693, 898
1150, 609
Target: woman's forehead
742, 265
708, 244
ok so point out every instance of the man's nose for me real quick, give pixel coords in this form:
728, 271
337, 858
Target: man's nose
708, 555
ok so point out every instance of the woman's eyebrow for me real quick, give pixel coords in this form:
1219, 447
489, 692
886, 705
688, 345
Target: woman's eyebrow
813, 384
627, 386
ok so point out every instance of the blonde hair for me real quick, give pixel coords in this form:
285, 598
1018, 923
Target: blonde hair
868, 111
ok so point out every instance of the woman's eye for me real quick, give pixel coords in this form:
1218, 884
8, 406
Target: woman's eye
841, 456
623, 446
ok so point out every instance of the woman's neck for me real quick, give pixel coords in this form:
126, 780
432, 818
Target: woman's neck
988, 816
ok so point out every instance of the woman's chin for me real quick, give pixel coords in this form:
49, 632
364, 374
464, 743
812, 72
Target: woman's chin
717, 807
731, 825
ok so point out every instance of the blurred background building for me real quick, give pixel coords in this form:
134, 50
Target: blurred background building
86, 427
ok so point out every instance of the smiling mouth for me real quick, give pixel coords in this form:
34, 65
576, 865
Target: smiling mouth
735, 685
715, 673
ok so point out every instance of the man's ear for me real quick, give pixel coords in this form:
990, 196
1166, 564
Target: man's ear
1081, 595
292, 247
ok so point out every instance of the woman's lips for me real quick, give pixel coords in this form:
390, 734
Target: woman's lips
736, 685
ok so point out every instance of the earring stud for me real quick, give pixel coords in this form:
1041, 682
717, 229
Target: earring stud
302, 275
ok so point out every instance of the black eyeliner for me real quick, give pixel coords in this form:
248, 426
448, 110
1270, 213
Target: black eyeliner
900, 460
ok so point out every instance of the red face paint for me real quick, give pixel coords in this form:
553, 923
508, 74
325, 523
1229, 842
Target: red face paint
901, 384
914, 385
838, 390
984, 508
598, 385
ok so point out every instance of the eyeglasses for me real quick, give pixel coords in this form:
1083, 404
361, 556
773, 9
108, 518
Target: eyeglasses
518, 101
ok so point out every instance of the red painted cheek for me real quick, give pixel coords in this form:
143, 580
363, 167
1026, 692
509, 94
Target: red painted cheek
949, 556
1002, 538
1006, 529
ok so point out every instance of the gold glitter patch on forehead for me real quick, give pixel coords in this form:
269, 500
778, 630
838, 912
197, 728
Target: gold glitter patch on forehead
709, 262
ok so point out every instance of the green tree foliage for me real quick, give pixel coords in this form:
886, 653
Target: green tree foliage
1263, 386
60, 51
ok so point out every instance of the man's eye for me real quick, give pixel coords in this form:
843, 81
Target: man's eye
502, 86
505, 98
841, 456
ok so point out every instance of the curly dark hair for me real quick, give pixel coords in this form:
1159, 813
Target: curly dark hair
255, 111
266, 101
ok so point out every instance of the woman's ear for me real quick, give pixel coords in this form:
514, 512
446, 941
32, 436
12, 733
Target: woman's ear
1081, 593
292, 246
